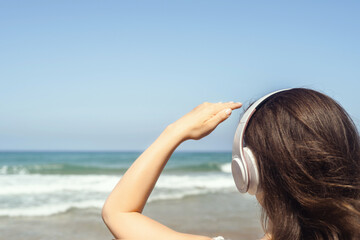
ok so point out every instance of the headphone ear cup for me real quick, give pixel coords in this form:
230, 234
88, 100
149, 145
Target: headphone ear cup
240, 174
253, 172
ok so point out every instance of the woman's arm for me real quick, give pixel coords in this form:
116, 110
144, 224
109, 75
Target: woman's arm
122, 210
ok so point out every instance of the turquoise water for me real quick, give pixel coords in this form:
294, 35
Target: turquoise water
46, 183
103, 162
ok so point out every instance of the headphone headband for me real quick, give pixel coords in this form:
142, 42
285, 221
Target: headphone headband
244, 166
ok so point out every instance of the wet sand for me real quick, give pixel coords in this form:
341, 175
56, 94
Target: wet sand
231, 215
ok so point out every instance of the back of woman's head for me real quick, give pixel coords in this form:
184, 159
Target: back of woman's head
308, 152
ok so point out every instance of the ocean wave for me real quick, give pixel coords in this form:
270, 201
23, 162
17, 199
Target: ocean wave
226, 167
52, 209
204, 167
46, 184
42, 195
71, 169
49, 209
64, 169
13, 170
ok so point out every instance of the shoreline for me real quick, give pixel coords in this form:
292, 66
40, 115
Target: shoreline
231, 215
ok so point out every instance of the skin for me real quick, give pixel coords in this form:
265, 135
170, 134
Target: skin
122, 211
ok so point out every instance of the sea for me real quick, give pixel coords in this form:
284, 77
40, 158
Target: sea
47, 183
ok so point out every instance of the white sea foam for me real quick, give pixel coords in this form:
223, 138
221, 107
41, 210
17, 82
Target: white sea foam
41, 195
226, 167
4, 169
13, 170
49, 209
45, 184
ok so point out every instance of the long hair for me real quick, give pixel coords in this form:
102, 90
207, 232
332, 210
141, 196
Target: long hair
308, 152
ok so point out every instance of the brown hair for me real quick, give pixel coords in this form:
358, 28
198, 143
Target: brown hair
308, 152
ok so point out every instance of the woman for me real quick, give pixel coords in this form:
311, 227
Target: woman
308, 155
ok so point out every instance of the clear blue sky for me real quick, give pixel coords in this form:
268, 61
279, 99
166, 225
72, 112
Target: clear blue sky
110, 75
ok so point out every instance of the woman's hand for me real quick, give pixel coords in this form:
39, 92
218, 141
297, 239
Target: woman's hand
203, 119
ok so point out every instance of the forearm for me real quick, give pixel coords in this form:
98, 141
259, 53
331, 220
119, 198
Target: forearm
134, 188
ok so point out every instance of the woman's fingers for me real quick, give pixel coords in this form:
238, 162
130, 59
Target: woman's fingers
219, 117
230, 104
235, 105
224, 111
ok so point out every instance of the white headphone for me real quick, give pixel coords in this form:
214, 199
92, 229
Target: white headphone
244, 166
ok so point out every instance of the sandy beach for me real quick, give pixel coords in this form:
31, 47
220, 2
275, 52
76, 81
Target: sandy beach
231, 215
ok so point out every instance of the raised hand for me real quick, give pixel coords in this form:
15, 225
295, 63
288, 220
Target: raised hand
203, 119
